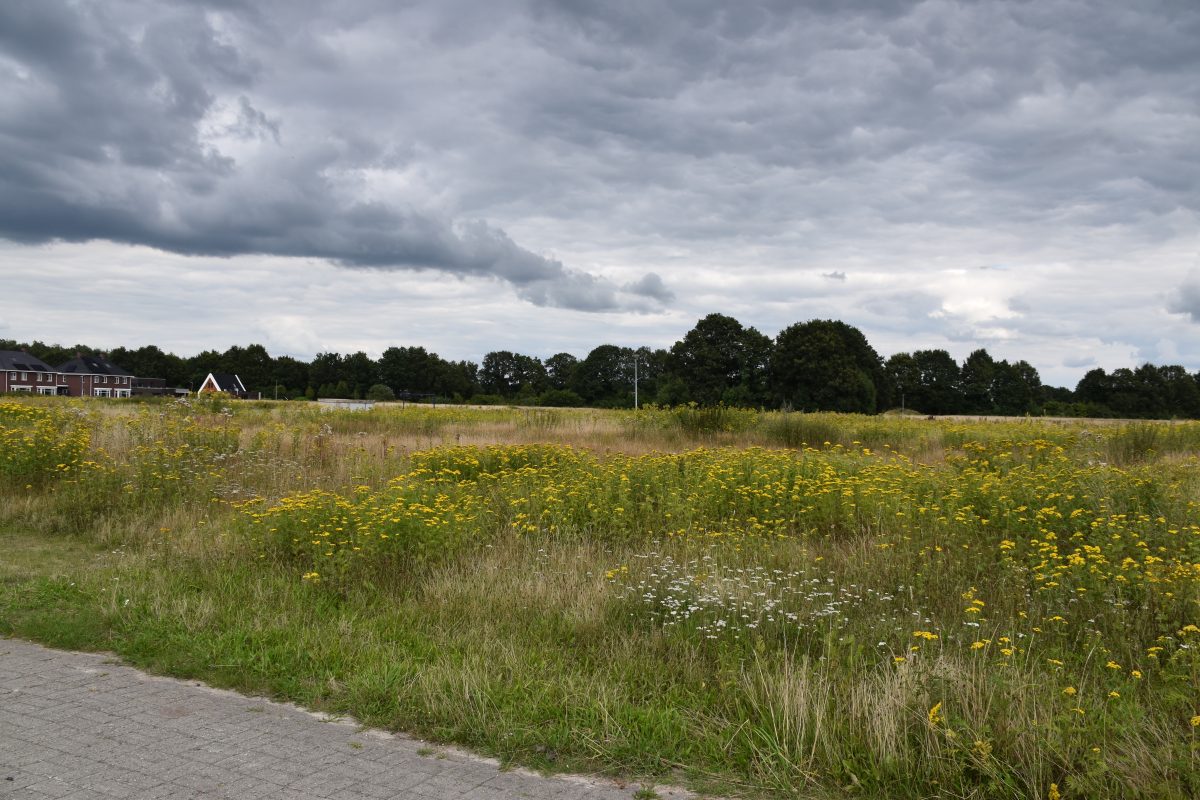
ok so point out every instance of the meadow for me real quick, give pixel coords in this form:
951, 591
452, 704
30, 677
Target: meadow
747, 603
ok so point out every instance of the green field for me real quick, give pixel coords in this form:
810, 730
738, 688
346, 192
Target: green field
759, 604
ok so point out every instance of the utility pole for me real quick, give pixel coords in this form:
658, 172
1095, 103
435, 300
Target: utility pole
635, 380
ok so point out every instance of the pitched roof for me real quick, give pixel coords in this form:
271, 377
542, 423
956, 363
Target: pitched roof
227, 382
92, 365
16, 360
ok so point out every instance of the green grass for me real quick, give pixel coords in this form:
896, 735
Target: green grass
41, 596
540, 690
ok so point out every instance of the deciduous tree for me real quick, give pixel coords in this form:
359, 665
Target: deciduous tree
719, 360
827, 365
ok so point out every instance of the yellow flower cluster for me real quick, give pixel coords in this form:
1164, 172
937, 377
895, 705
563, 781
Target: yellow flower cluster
39, 444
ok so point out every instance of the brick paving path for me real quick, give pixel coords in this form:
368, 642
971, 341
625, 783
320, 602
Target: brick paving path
79, 725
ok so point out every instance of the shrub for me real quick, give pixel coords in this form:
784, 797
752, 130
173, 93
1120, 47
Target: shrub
561, 398
381, 393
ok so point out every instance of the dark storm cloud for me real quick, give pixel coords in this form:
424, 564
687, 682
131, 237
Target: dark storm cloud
112, 132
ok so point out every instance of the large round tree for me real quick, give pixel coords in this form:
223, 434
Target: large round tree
827, 365
721, 361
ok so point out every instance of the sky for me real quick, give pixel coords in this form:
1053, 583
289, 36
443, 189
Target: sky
547, 176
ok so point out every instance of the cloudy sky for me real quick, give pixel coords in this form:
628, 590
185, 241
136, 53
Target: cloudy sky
549, 176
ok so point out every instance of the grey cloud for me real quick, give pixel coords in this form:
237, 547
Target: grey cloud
905, 313
836, 275
1023, 111
1186, 298
910, 305
253, 123
119, 137
651, 285
1079, 362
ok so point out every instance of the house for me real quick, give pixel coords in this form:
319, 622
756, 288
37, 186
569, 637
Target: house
21, 372
95, 376
82, 376
229, 384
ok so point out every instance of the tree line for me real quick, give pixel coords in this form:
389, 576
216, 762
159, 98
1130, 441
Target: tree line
819, 365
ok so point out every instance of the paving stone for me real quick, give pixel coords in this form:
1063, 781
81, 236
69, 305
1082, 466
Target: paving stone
81, 725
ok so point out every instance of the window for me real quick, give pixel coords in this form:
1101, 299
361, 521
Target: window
24, 376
